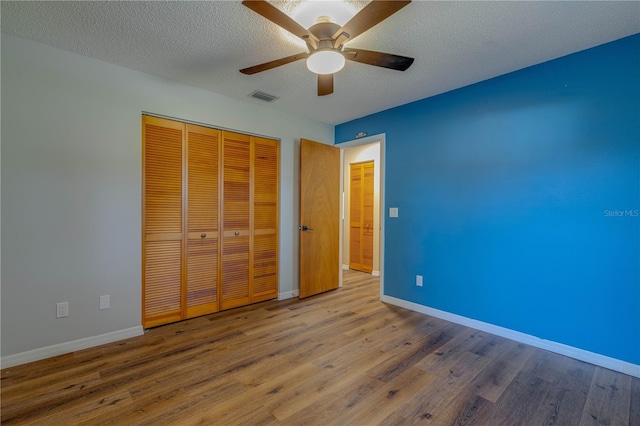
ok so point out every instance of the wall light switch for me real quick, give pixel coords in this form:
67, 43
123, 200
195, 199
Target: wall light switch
105, 301
393, 212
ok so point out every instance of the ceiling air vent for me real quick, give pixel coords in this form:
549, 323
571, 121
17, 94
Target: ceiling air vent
263, 96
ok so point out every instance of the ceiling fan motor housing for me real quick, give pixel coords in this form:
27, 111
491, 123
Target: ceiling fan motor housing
324, 31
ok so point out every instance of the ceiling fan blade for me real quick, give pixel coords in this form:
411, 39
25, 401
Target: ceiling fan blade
273, 64
379, 59
371, 15
325, 84
281, 19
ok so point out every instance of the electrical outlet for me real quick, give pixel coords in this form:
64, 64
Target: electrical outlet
105, 301
419, 280
62, 309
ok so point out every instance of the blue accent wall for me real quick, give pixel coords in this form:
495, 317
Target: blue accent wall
518, 199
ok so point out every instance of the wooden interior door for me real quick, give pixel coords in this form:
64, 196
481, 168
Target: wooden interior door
319, 217
361, 216
202, 242
236, 220
162, 221
265, 166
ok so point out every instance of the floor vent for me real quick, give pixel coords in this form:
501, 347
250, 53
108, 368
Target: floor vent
263, 96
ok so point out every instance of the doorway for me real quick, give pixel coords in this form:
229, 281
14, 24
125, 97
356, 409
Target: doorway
354, 153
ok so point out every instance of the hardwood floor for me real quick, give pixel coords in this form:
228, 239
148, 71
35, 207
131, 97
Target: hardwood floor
341, 358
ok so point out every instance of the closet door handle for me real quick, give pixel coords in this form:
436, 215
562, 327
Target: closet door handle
203, 235
237, 233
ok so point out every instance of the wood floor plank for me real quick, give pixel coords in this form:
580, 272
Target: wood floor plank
46, 389
105, 406
274, 393
443, 400
339, 358
20, 373
279, 361
492, 381
388, 398
473, 411
564, 402
337, 369
547, 365
386, 317
634, 414
338, 406
409, 351
495, 375
441, 361
609, 399
519, 401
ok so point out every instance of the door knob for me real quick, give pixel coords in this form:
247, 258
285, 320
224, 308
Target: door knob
304, 228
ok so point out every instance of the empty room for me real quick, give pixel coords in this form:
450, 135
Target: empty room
320, 213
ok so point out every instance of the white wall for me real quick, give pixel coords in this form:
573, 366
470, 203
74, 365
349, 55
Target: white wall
71, 187
359, 154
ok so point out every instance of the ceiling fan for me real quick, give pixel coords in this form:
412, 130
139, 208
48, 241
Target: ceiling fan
325, 41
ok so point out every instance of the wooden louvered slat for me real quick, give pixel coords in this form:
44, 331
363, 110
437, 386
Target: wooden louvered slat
236, 215
202, 219
162, 275
202, 148
235, 272
355, 216
202, 277
162, 221
265, 216
236, 181
266, 184
265, 267
236, 197
354, 248
162, 177
367, 216
265, 219
266, 171
355, 195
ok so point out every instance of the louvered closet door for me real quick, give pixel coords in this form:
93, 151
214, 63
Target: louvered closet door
367, 216
265, 219
236, 224
361, 217
202, 220
162, 221
355, 216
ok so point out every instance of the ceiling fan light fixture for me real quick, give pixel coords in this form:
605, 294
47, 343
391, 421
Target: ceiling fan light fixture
327, 61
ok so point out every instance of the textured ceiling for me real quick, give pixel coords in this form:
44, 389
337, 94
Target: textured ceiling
204, 44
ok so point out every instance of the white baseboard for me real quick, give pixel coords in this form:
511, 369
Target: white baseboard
288, 294
559, 348
345, 267
72, 346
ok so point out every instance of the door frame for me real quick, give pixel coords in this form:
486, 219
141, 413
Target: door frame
381, 138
